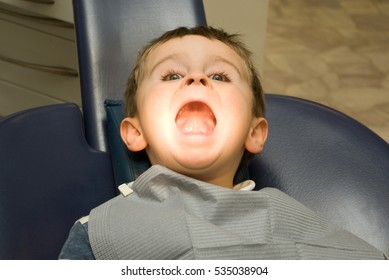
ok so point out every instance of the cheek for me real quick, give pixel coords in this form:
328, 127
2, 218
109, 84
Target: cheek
238, 111
153, 99
154, 115
239, 101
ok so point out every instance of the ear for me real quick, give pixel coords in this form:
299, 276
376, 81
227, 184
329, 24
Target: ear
132, 134
257, 136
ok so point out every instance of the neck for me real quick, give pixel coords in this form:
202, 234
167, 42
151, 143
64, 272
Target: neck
225, 181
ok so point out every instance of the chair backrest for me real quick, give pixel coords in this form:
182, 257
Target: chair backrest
49, 177
109, 35
329, 162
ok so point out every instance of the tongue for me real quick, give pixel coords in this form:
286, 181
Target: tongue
195, 118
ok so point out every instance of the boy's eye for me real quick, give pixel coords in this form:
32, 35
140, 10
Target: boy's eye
171, 77
220, 77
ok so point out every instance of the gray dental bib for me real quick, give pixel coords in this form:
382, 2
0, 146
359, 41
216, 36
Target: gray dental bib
171, 216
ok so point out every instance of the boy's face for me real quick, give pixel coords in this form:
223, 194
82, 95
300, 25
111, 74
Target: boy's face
195, 110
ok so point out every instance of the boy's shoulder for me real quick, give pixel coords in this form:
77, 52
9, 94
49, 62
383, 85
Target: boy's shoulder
77, 246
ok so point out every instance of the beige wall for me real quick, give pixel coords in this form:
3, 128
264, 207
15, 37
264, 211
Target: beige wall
246, 17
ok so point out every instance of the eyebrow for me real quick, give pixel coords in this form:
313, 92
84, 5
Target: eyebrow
169, 57
213, 59
218, 58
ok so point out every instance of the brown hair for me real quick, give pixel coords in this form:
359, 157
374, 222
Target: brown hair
231, 40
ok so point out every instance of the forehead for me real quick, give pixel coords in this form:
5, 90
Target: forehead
194, 48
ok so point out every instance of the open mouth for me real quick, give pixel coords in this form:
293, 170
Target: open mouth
196, 118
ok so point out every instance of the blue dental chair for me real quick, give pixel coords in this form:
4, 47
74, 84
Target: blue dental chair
57, 164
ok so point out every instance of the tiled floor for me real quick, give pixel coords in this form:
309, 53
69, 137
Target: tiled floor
335, 52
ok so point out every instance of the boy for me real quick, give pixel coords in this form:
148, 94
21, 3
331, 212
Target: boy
194, 103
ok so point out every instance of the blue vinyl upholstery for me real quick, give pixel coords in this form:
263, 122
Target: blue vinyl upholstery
49, 178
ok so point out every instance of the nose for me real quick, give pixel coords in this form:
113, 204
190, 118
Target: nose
197, 78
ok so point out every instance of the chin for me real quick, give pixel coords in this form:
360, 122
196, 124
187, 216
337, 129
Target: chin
196, 162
